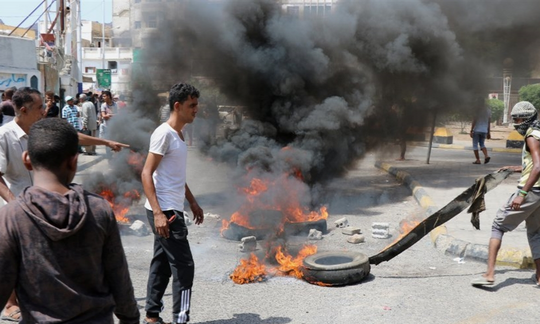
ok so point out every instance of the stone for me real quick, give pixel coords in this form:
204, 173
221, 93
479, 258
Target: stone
356, 238
351, 230
139, 228
249, 244
342, 222
314, 235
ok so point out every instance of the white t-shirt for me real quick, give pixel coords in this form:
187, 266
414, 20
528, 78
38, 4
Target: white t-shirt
170, 175
109, 109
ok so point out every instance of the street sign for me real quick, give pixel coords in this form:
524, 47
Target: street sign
103, 77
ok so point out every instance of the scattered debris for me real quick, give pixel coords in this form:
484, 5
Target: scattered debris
249, 244
210, 215
351, 230
380, 230
356, 238
314, 235
459, 260
139, 228
342, 222
186, 219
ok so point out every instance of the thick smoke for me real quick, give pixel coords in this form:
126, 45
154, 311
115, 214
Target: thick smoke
319, 90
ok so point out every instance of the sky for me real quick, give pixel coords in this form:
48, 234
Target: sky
14, 11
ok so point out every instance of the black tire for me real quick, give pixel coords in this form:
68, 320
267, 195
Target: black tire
338, 268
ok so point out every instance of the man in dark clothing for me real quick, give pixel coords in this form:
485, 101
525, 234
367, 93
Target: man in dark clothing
51, 109
60, 248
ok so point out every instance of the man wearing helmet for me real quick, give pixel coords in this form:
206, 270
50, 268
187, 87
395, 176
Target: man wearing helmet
524, 204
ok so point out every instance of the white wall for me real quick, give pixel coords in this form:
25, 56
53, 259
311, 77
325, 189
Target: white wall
18, 62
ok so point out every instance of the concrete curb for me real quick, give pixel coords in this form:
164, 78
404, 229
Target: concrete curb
463, 147
445, 243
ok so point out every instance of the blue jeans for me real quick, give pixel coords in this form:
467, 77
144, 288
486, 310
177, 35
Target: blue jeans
478, 139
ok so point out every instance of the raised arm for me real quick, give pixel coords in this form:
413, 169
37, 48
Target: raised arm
90, 140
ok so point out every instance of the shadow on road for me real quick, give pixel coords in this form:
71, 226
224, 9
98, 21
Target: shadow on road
250, 318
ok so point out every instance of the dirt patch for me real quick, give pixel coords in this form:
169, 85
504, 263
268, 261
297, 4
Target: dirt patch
498, 132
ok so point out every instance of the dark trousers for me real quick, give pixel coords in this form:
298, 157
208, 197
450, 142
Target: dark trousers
172, 256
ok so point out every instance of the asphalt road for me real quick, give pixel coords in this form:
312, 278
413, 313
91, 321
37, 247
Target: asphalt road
419, 286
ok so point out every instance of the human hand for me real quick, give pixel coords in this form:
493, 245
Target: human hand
516, 203
116, 146
511, 168
488, 136
471, 134
161, 224
198, 214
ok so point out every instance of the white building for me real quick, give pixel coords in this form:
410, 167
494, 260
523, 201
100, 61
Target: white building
134, 20
18, 63
117, 59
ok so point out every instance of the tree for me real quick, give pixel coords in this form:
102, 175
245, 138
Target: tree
497, 109
530, 93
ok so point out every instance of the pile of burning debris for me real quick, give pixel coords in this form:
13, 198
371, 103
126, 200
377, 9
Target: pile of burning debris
122, 190
272, 211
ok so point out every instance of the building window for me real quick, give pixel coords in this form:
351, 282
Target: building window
90, 69
137, 25
293, 11
113, 66
317, 11
151, 21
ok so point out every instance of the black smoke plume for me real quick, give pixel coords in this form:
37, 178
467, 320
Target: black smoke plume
331, 86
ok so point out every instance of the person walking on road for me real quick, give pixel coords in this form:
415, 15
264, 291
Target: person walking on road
524, 204
480, 130
89, 122
60, 248
164, 182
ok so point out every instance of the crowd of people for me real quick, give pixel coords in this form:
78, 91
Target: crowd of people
61, 256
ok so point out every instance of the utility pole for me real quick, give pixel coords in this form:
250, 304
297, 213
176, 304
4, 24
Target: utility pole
79, 47
103, 39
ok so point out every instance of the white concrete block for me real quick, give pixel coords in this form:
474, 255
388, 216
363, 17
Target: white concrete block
351, 230
314, 235
342, 222
356, 238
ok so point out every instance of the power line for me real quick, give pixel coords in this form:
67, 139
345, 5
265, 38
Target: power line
19, 25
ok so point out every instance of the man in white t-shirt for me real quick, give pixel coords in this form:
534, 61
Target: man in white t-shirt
165, 187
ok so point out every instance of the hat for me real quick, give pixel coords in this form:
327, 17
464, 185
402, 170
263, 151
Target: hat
68, 98
116, 97
523, 109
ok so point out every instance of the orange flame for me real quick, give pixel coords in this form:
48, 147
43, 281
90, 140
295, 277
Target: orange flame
405, 227
292, 266
249, 271
287, 201
252, 270
120, 209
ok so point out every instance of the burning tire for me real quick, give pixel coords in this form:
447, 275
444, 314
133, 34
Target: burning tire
338, 268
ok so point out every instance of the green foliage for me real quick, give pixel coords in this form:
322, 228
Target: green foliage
530, 93
497, 109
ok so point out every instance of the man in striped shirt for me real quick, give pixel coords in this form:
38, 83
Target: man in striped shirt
70, 113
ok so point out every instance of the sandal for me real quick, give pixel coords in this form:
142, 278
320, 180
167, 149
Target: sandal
486, 161
159, 321
476, 162
14, 316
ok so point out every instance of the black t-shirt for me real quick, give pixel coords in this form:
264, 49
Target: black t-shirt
53, 112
